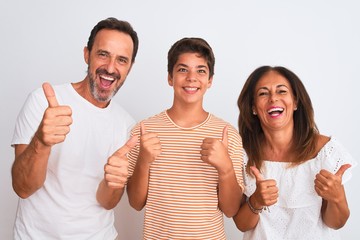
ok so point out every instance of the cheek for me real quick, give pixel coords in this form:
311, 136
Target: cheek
93, 65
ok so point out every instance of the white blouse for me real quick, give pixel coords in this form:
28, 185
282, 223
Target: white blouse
296, 215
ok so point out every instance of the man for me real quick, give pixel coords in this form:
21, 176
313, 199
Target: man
187, 169
63, 138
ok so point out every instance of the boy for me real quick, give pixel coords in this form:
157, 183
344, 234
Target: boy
187, 168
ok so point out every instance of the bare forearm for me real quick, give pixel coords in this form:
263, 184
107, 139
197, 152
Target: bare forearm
108, 197
334, 214
230, 194
29, 168
245, 219
137, 187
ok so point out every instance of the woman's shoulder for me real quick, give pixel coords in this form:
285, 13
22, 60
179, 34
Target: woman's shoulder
321, 142
333, 155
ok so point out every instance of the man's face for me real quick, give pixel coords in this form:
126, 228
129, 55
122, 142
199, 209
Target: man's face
109, 63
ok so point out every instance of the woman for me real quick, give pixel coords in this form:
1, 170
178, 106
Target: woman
293, 174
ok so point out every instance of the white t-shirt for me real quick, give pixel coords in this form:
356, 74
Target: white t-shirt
66, 206
297, 213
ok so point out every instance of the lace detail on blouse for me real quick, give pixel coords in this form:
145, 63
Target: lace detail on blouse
296, 215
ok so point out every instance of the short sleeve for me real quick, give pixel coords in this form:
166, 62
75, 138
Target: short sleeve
236, 153
334, 155
29, 118
249, 182
134, 153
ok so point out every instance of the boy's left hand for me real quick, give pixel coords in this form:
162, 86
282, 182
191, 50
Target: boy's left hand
214, 151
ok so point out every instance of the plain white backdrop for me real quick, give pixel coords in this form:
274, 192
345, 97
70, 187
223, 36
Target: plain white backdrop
319, 40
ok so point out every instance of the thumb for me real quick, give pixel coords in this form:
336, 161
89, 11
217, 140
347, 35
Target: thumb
132, 142
225, 135
342, 170
50, 95
257, 174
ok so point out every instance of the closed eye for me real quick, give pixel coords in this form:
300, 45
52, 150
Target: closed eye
263, 93
123, 60
103, 54
282, 91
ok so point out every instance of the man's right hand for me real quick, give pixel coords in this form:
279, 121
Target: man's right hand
56, 121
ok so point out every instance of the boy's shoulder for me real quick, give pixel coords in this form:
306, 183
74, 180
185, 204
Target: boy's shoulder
220, 121
156, 117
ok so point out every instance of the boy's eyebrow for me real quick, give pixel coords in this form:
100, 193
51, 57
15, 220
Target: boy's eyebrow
202, 66
182, 65
198, 66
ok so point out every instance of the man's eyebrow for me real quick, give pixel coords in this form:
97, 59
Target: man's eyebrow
107, 52
102, 51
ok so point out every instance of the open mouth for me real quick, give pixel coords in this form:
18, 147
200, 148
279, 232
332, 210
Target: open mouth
276, 111
106, 80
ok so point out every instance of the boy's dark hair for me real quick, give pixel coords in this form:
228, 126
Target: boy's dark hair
191, 45
114, 24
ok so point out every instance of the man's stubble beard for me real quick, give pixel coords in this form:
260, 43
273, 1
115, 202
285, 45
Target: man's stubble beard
96, 93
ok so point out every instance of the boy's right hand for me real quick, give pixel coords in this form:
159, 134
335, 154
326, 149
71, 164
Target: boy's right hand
150, 146
56, 121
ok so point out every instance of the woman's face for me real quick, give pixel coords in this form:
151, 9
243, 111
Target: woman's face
274, 102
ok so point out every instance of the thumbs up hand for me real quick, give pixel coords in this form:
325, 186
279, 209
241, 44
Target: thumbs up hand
214, 151
266, 193
150, 146
56, 121
116, 168
329, 186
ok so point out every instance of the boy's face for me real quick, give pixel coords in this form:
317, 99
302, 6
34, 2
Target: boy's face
190, 78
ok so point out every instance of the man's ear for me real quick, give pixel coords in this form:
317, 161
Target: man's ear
86, 55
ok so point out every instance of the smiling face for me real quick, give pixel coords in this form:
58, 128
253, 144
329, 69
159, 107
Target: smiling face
190, 79
274, 102
109, 63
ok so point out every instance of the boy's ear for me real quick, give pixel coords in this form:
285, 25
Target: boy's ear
170, 80
210, 82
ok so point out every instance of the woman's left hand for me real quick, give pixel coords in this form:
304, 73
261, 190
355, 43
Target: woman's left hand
329, 186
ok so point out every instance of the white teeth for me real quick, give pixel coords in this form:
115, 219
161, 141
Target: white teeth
190, 88
276, 110
107, 78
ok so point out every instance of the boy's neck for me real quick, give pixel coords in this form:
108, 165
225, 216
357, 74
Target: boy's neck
187, 118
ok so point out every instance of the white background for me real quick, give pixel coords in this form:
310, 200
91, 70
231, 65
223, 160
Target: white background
318, 39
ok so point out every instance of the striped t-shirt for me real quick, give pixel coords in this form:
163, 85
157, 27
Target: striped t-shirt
182, 200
